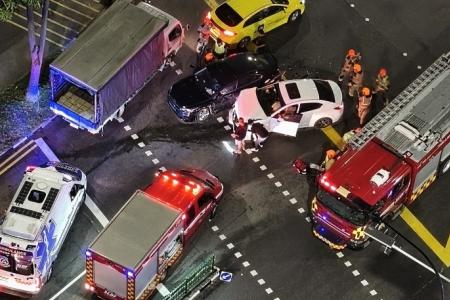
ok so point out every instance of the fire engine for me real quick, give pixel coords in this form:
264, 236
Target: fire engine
395, 157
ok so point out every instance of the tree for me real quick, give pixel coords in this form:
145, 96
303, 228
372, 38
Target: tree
36, 46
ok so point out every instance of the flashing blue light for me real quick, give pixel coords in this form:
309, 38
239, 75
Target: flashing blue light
130, 274
88, 253
322, 229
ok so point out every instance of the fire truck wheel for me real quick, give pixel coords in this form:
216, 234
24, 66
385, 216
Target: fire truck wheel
444, 166
361, 246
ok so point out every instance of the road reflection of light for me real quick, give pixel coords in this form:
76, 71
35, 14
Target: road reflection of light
227, 146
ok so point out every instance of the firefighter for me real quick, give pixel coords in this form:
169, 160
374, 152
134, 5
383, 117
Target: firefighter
356, 80
364, 102
382, 84
330, 158
349, 134
351, 58
219, 49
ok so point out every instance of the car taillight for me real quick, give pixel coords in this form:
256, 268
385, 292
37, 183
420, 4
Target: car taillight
30, 168
229, 33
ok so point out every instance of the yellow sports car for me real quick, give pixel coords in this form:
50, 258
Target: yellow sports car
238, 21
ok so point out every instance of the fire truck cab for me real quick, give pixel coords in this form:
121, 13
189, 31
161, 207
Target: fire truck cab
389, 163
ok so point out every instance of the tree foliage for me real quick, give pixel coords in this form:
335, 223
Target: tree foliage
8, 7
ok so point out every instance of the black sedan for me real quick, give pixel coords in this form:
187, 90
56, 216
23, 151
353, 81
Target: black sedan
215, 87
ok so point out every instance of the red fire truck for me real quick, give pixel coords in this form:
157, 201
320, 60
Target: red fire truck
131, 255
396, 156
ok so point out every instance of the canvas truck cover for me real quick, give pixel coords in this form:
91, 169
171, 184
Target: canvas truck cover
114, 55
135, 230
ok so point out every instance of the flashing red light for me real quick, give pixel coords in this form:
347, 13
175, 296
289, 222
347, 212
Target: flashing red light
183, 217
87, 286
30, 169
327, 184
229, 33
174, 181
208, 15
165, 177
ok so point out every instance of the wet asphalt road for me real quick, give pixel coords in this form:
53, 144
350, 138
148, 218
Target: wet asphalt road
268, 228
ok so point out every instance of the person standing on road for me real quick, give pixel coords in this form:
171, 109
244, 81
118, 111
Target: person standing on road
364, 102
356, 80
219, 49
239, 135
259, 134
382, 84
351, 59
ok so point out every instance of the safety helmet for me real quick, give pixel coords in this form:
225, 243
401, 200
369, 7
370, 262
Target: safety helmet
351, 52
209, 56
365, 91
330, 153
357, 68
382, 72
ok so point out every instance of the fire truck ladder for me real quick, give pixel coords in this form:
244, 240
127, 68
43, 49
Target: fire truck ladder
405, 97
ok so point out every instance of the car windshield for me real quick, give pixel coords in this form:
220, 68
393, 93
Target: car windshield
269, 98
343, 207
16, 261
228, 15
206, 81
324, 90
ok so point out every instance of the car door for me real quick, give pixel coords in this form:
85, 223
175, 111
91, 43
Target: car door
275, 15
286, 120
308, 109
226, 97
252, 24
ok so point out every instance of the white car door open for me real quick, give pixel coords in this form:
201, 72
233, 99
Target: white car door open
282, 126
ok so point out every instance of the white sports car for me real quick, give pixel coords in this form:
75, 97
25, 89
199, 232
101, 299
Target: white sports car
286, 106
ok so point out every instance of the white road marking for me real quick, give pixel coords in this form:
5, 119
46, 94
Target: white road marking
405, 54
120, 120
373, 292
230, 246
276, 298
96, 211
255, 159
222, 237
6, 168
293, 200
248, 151
134, 136
286, 193
347, 263
141, 145
419, 67
238, 254
301, 210
162, 289
155, 161
215, 228
352, 5
246, 264
227, 127
68, 285
263, 167
227, 146
270, 176
278, 184
367, 19
356, 273
269, 291
46, 150
253, 273
340, 254
308, 219
127, 128
220, 120
148, 153
261, 281
163, 169
364, 282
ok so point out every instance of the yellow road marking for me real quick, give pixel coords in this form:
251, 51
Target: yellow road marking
24, 28
442, 252
17, 159
15, 153
334, 136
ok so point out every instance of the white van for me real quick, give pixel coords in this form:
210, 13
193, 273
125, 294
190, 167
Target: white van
36, 224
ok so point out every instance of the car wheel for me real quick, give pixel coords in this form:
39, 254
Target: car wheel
294, 16
244, 42
203, 114
213, 213
444, 166
323, 122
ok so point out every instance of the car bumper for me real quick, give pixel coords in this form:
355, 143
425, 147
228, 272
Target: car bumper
12, 287
183, 115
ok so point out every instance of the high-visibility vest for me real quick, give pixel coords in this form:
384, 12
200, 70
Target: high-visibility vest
219, 49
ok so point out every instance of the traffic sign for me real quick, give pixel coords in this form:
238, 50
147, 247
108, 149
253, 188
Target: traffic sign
225, 276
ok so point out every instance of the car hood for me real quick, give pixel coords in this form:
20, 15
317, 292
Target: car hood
247, 105
186, 92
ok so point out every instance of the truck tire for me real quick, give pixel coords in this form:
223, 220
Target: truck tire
444, 166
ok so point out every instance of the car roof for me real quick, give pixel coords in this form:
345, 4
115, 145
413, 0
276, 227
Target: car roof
306, 89
247, 8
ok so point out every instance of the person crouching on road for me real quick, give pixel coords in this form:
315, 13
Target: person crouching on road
239, 135
259, 134
219, 49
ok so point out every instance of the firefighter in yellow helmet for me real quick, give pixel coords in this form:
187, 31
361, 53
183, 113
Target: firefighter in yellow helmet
351, 59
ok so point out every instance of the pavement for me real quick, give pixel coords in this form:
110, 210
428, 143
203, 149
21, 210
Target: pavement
261, 232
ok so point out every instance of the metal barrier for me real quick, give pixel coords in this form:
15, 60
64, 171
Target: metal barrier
193, 279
